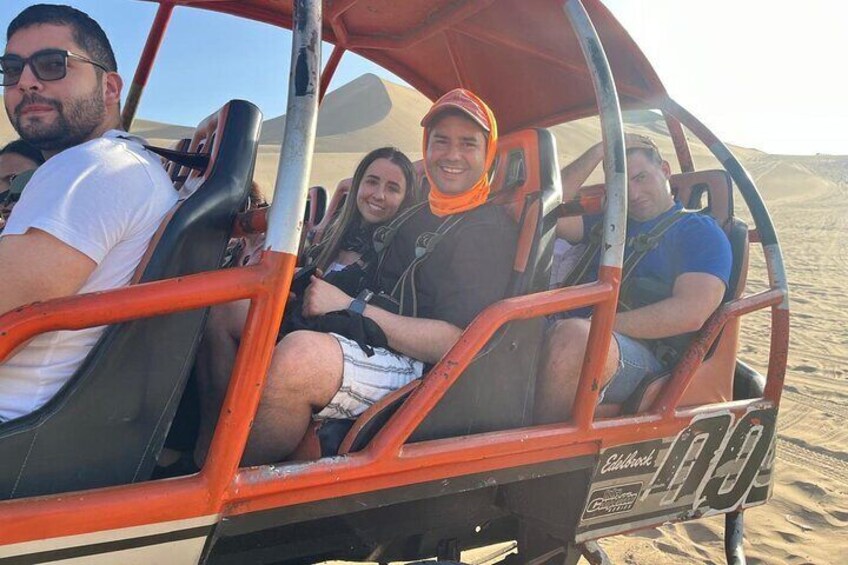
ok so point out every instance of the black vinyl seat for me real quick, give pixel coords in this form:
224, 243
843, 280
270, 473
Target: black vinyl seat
107, 425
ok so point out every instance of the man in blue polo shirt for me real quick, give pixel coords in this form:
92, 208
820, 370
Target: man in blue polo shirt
688, 270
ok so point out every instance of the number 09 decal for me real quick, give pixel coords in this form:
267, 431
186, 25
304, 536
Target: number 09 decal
712, 466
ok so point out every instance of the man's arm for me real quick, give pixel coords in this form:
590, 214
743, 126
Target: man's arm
420, 338
694, 298
573, 176
36, 267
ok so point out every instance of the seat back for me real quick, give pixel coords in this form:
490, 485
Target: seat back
173, 168
333, 208
712, 192
108, 423
316, 206
713, 380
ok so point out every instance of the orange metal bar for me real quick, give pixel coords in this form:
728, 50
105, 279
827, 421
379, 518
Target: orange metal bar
248, 376
683, 373
140, 301
778, 354
681, 145
145, 64
597, 349
440, 378
158, 501
330, 70
103, 509
260, 488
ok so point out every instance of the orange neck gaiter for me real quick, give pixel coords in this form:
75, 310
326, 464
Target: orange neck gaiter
442, 204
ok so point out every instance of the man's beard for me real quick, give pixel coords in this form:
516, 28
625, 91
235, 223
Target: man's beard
75, 121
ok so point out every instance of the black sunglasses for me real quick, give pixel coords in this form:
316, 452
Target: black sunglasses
48, 64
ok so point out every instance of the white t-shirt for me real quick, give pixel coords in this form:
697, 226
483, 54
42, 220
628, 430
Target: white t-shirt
105, 198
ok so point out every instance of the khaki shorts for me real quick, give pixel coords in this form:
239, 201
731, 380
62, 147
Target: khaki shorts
365, 380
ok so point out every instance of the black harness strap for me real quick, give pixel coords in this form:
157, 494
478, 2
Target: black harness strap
639, 247
425, 245
667, 350
196, 161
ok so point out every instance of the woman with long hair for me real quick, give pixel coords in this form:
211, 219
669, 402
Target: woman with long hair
383, 185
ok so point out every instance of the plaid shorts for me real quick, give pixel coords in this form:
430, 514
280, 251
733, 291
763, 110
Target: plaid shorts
365, 380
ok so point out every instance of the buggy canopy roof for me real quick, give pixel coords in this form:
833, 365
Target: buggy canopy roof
521, 56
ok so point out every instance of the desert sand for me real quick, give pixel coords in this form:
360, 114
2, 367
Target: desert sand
807, 519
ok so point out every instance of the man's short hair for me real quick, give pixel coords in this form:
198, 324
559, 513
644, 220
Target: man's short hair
24, 149
645, 145
86, 32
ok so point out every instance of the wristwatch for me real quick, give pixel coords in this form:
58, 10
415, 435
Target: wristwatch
358, 304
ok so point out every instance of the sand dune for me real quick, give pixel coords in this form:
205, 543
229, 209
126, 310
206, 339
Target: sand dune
807, 519
159, 131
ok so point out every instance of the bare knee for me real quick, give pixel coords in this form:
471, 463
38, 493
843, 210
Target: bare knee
565, 333
306, 364
226, 321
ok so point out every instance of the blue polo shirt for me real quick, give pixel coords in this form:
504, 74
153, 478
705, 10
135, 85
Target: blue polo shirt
693, 244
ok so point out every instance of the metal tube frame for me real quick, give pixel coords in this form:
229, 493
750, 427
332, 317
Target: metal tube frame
148, 56
330, 70
290, 189
765, 235
615, 216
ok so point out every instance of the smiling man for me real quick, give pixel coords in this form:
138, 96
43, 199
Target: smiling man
675, 285
88, 213
427, 298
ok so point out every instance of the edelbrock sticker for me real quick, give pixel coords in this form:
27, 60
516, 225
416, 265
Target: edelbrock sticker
715, 464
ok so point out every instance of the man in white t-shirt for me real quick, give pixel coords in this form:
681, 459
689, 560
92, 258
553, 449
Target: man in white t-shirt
87, 215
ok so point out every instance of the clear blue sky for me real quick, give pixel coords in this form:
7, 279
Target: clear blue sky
758, 73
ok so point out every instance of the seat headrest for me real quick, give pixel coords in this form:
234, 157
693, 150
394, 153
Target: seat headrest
203, 141
690, 188
518, 169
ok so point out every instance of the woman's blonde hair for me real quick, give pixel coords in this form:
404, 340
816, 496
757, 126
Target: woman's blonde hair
322, 253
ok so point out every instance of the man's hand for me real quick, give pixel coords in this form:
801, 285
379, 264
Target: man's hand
321, 297
36, 266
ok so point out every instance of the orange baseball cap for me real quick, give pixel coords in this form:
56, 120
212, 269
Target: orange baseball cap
464, 101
